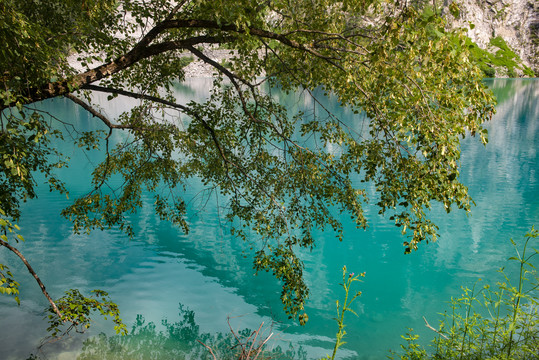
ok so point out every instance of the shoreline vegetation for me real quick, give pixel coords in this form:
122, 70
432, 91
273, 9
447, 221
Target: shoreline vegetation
498, 321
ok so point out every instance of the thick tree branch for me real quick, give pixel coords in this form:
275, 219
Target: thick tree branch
145, 49
211, 24
140, 52
137, 96
96, 113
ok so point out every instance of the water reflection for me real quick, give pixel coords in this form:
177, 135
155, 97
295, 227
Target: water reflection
502, 179
181, 339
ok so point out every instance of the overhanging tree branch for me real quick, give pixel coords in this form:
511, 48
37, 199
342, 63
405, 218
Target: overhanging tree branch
138, 53
96, 113
145, 49
135, 95
33, 273
233, 140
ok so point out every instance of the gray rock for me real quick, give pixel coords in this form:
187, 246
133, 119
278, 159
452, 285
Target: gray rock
515, 21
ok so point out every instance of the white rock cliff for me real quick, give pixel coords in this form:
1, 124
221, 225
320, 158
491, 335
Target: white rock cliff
515, 21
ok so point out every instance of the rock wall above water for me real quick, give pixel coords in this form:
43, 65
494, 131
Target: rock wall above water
515, 21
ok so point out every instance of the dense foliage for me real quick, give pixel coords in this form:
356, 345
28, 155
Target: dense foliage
503, 59
385, 60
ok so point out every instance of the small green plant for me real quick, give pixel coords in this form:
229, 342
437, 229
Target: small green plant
8, 285
501, 14
413, 351
186, 60
500, 323
347, 280
76, 310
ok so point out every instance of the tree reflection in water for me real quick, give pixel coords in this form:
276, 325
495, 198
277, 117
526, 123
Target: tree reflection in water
178, 340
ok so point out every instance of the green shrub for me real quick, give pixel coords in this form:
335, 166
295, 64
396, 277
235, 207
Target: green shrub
528, 71
504, 59
489, 71
486, 323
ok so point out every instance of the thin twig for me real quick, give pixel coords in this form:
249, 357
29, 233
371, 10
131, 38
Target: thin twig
262, 345
433, 329
209, 349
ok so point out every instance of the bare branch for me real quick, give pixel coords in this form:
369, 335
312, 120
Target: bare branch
137, 96
95, 113
209, 349
433, 329
31, 271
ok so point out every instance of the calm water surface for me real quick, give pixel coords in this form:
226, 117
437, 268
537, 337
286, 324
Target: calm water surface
162, 278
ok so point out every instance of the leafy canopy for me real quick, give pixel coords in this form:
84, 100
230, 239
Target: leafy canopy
386, 60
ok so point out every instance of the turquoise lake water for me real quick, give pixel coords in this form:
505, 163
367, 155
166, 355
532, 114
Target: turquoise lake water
162, 278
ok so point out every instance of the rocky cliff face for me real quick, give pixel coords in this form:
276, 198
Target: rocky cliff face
515, 21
